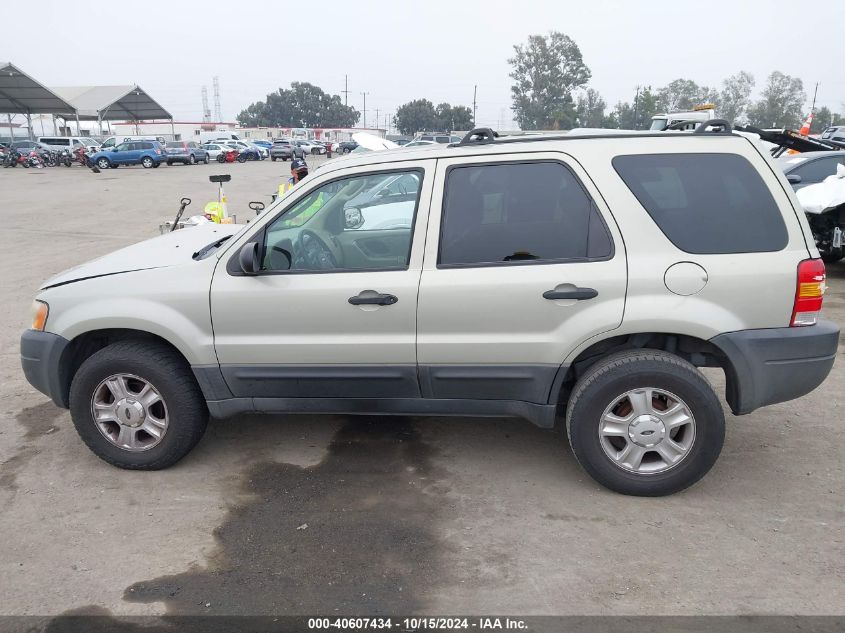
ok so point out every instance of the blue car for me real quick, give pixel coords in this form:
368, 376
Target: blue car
145, 153
264, 144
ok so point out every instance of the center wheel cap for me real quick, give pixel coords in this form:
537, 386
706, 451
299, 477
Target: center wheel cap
646, 431
130, 412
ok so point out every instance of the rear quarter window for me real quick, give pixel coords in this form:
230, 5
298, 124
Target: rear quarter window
706, 203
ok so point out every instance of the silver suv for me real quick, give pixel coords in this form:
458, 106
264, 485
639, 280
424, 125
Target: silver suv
571, 278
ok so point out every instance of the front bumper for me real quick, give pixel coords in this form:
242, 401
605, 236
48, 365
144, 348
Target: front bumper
41, 355
778, 364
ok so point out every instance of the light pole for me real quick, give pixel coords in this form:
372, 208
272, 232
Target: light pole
365, 108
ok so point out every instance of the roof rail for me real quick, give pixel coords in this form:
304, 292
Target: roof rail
478, 136
720, 126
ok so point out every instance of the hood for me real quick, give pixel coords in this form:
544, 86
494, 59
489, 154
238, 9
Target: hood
170, 249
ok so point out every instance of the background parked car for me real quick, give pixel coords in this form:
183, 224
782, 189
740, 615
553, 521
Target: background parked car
114, 141
145, 153
809, 168
68, 142
185, 152
214, 149
347, 146
283, 150
262, 143
311, 147
835, 133
249, 152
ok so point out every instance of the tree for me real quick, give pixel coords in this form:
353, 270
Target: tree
822, 119
780, 104
684, 94
735, 97
636, 116
590, 109
546, 70
451, 117
303, 105
415, 116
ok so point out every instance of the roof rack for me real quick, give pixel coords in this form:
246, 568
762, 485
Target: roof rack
487, 136
478, 136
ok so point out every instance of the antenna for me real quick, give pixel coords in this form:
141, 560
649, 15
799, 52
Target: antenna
206, 113
218, 116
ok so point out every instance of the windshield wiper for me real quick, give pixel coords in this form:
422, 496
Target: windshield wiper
205, 251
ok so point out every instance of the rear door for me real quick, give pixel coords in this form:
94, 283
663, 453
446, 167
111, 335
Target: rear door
523, 263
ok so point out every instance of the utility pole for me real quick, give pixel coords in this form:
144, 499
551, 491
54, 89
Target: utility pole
636, 104
345, 91
365, 108
474, 104
377, 119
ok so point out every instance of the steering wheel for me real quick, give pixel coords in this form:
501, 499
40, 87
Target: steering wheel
313, 253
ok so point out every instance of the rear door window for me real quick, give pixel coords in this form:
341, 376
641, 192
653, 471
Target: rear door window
706, 203
512, 213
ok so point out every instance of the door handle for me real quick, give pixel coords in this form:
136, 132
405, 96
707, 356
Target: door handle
579, 294
370, 298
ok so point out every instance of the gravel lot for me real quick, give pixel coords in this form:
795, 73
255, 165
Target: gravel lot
424, 515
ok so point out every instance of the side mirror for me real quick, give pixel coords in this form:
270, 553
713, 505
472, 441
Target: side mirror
793, 179
250, 258
353, 218
258, 207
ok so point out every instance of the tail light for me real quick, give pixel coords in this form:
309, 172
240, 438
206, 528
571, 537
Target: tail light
809, 293
158, 151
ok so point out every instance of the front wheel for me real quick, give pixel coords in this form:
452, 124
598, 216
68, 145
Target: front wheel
137, 405
241, 158
147, 162
103, 163
192, 160
205, 160
645, 423
221, 158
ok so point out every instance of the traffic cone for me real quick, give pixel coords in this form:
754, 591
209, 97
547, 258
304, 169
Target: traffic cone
805, 129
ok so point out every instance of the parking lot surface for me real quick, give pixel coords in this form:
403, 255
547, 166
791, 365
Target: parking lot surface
318, 514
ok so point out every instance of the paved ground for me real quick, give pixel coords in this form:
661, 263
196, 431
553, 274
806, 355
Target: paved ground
404, 515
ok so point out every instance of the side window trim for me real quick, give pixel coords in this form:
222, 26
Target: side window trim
534, 262
233, 266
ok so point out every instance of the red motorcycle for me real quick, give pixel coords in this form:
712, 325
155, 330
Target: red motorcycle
228, 156
80, 155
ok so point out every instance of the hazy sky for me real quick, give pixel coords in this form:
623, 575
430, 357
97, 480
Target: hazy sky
397, 51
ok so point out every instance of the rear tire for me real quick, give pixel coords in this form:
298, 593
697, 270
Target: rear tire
221, 158
169, 375
192, 160
594, 435
205, 160
273, 158
147, 162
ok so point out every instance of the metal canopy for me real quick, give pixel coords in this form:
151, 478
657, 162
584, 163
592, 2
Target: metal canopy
111, 103
21, 94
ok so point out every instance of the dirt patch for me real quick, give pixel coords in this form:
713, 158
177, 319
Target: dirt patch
39, 420
353, 534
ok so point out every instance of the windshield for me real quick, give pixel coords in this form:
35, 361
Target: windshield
658, 124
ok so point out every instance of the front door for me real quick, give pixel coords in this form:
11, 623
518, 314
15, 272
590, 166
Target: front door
333, 311
523, 263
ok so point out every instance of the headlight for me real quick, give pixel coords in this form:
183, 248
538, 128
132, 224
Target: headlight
40, 310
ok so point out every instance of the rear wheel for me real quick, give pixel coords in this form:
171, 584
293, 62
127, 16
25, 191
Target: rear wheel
273, 158
645, 423
170, 163
137, 405
221, 158
205, 160
147, 162
192, 160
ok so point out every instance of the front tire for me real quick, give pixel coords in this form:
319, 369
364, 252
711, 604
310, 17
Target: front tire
645, 423
103, 163
205, 160
137, 405
192, 160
